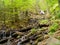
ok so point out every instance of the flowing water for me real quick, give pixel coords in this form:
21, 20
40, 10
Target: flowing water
9, 42
19, 43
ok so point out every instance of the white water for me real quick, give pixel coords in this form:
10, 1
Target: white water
4, 34
19, 43
9, 42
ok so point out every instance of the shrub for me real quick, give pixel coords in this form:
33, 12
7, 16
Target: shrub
53, 27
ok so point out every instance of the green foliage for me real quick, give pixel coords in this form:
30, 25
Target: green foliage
58, 15
11, 8
54, 7
14, 10
53, 27
43, 21
43, 5
58, 37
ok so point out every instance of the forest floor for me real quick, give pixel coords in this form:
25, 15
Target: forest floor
38, 31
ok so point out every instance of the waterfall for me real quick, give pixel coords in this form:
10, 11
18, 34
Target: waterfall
4, 34
10, 34
9, 42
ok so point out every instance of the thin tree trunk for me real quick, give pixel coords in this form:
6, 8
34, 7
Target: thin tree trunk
59, 5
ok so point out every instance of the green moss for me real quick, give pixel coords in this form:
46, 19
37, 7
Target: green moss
33, 30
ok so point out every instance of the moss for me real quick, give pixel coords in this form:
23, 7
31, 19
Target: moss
33, 30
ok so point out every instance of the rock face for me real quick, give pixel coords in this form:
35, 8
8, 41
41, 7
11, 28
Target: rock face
50, 41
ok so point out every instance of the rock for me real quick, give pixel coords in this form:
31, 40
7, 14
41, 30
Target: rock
53, 41
42, 12
50, 41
